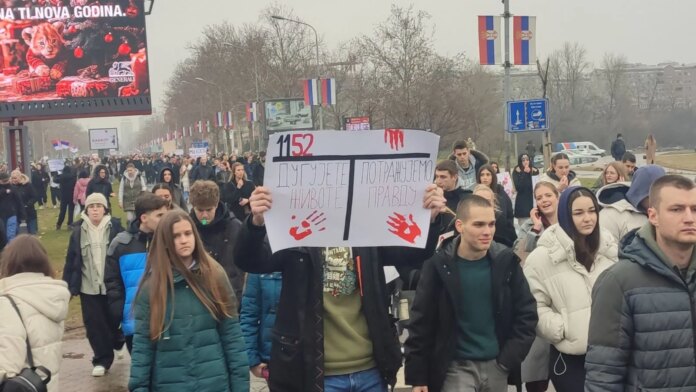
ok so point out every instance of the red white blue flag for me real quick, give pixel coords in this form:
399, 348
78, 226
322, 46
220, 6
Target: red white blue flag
328, 91
490, 36
251, 111
524, 40
200, 126
190, 130
218, 120
207, 126
311, 92
228, 120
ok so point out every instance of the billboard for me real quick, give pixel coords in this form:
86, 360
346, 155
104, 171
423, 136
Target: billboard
68, 59
287, 115
356, 123
103, 139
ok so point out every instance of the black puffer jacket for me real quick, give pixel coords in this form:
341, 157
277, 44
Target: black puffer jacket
66, 180
100, 185
29, 198
219, 238
297, 350
11, 203
642, 324
432, 341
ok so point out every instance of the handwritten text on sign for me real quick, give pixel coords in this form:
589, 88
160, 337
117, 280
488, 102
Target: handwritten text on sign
333, 188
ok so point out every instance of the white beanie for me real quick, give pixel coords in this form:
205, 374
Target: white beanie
96, 198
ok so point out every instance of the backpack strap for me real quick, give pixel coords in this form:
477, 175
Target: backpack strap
30, 357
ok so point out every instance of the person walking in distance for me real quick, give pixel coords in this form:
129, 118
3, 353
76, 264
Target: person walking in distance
125, 261
66, 181
561, 272
84, 273
29, 197
186, 318
132, 184
27, 282
641, 335
101, 183
473, 317
80, 191
650, 149
618, 147
12, 210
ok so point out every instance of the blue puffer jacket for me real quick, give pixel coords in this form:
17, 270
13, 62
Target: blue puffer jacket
259, 306
125, 264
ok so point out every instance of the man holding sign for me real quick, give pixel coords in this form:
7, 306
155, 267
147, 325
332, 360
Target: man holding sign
333, 331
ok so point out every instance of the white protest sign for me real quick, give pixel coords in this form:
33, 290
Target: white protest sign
55, 165
195, 152
333, 188
505, 181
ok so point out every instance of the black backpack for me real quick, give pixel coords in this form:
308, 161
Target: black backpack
31, 379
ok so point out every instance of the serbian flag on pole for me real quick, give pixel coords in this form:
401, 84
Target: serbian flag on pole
207, 126
328, 91
490, 40
251, 111
311, 92
228, 120
524, 39
190, 130
200, 126
218, 120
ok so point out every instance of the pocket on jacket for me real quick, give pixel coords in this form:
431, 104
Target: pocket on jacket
564, 317
287, 346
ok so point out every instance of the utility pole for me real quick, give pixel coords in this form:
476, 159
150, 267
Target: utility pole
506, 82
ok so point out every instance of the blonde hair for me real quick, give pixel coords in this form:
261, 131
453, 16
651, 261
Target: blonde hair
620, 170
485, 188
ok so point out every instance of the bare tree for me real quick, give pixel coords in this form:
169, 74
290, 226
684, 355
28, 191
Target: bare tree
613, 72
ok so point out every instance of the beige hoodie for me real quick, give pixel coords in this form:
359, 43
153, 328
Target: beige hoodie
43, 303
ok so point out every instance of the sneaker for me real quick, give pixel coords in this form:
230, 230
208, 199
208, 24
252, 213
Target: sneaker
41, 207
120, 354
98, 371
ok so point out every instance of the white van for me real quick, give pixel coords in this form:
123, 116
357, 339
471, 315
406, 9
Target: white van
588, 148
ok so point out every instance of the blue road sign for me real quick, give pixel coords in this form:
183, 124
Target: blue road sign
530, 115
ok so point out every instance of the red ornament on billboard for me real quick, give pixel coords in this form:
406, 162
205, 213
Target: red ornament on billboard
78, 52
108, 38
124, 49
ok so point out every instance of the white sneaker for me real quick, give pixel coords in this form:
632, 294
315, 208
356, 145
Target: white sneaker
98, 371
120, 354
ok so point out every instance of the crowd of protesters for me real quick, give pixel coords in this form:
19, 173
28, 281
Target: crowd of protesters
552, 282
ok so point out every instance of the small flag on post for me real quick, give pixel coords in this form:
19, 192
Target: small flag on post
524, 39
489, 40
251, 111
311, 93
328, 91
218, 120
207, 126
228, 121
200, 126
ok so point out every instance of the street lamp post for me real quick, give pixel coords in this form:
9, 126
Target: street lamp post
221, 109
316, 40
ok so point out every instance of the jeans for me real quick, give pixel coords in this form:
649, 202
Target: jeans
11, 228
365, 381
32, 225
478, 376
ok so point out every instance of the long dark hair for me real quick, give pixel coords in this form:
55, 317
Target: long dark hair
494, 181
209, 284
586, 247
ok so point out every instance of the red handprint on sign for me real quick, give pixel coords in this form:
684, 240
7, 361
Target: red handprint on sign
304, 229
403, 229
395, 138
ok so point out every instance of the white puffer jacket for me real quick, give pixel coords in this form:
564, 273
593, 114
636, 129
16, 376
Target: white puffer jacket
618, 217
43, 303
562, 287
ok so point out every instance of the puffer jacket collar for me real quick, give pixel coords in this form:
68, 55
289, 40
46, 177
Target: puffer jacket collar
561, 248
634, 249
614, 196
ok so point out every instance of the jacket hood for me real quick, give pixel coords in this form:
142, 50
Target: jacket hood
612, 193
221, 213
480, 157
48, 296
643, 178
560, 246
635, 249
161, 174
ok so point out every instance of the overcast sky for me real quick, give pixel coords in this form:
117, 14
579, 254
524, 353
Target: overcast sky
645, 31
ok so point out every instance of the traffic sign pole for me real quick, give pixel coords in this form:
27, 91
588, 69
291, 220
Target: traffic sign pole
506, 15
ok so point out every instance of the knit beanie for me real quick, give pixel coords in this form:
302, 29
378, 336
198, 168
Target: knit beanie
565, 209
96, 198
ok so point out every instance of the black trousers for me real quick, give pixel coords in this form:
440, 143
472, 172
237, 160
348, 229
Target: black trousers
55, 195
70, 207
103, 333
567, 371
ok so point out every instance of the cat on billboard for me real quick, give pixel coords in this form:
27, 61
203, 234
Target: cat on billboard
54, 50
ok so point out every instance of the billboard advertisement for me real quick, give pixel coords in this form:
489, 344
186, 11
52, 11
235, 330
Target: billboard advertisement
70, 59
103, 139
356, 123
287, 115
